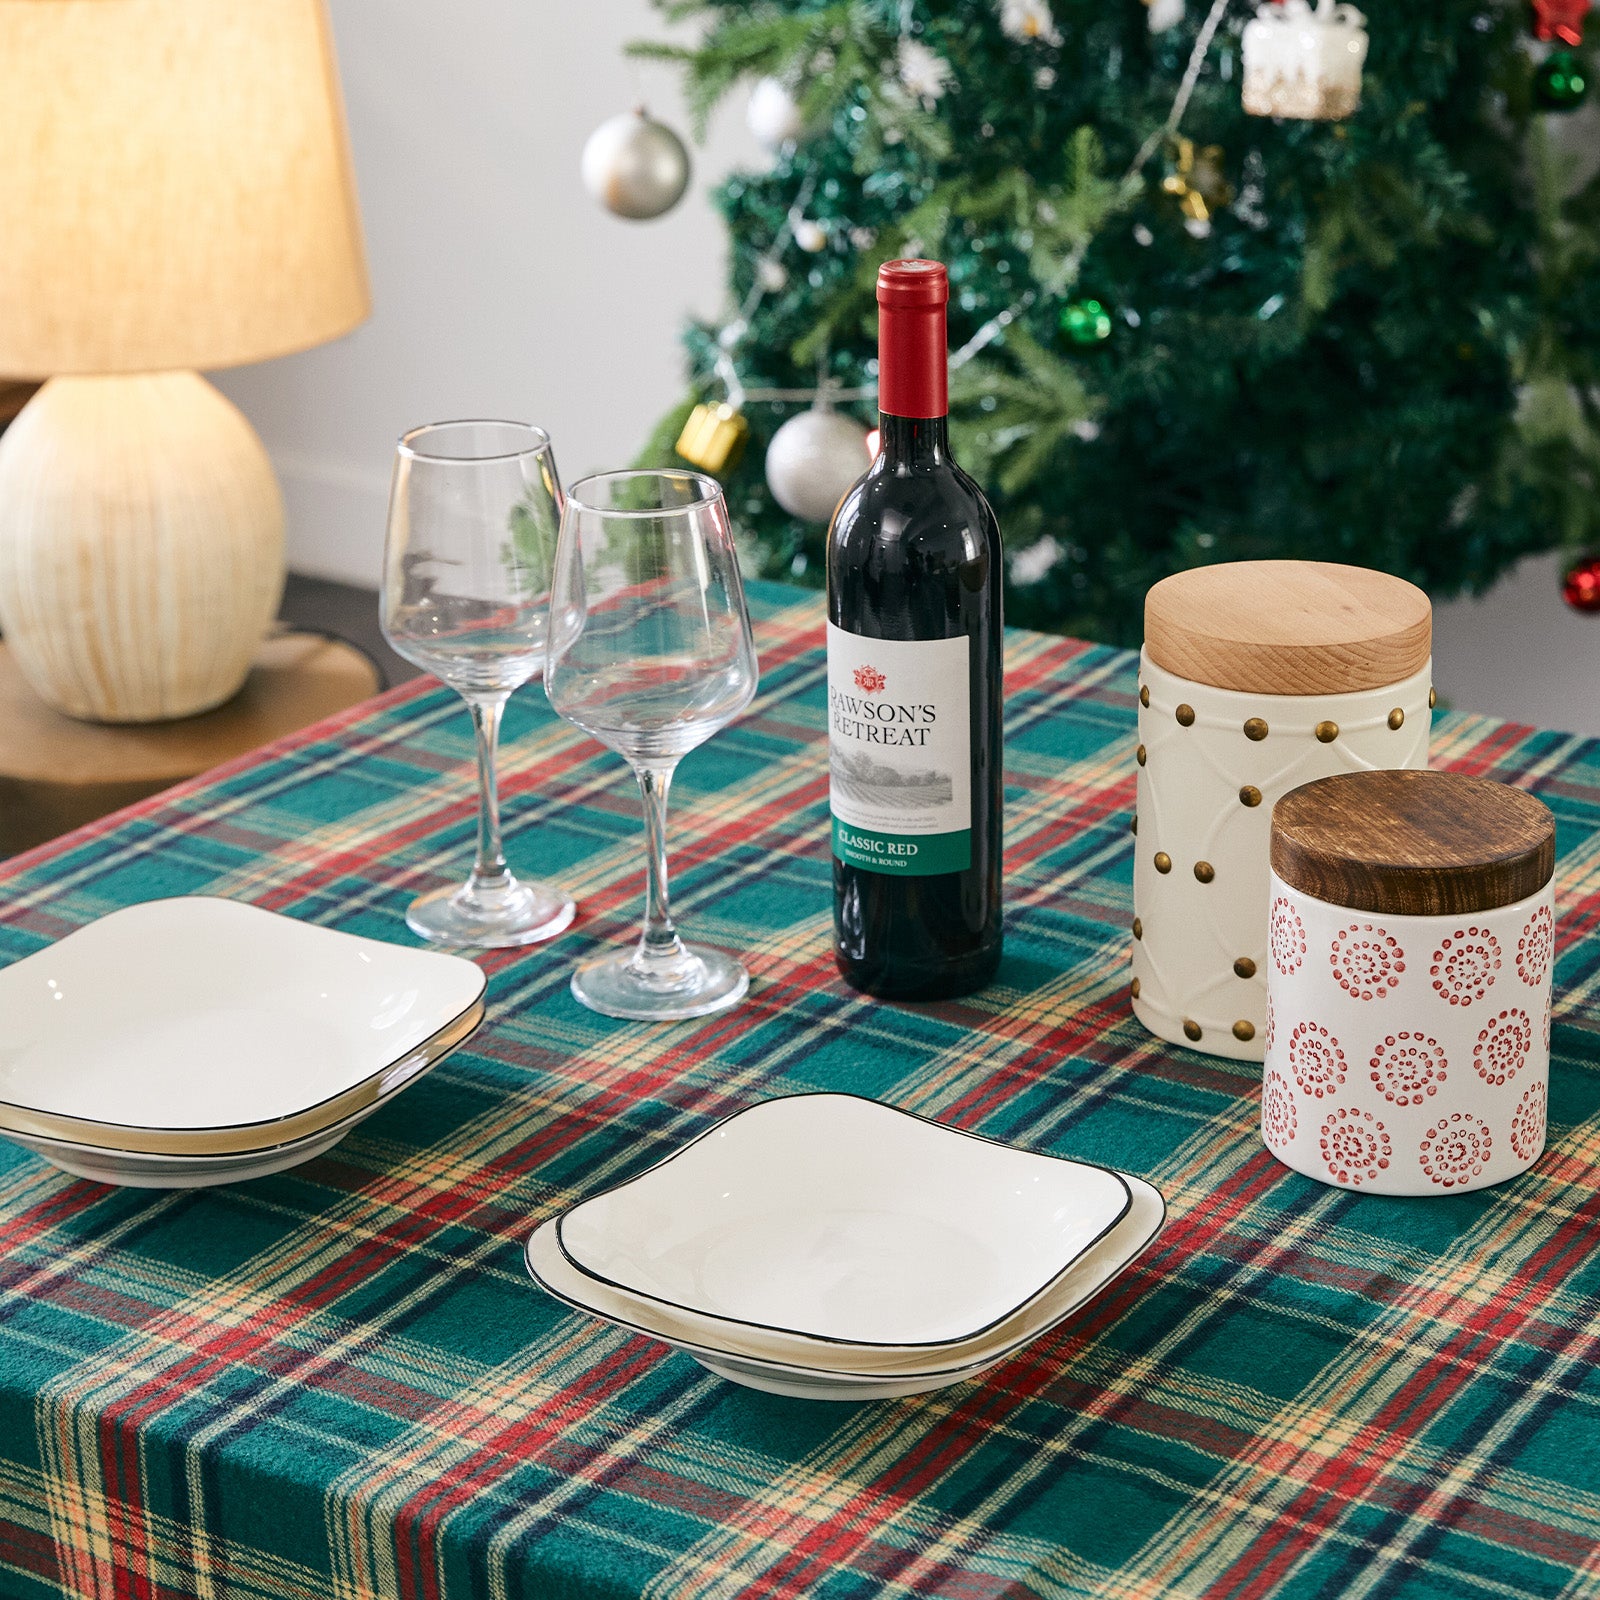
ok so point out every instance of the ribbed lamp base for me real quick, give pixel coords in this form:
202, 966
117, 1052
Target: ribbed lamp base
141, 545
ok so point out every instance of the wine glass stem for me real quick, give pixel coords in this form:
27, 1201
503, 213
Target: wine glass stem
660, 943
489, 870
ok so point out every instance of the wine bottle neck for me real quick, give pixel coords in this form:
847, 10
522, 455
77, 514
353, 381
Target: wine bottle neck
914, 441
913, 360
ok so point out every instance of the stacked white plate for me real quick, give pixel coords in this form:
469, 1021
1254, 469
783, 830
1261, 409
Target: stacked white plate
830, 1247
196, 1041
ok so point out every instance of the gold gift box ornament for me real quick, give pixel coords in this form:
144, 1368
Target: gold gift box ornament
714, 437
1302, 63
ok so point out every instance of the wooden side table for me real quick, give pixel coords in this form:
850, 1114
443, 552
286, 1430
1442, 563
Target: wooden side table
57, 773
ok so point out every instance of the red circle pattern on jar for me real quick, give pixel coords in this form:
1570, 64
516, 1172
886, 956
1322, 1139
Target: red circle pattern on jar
1465, 964
1503, 1045
1456, 1149
1278, 1121
1367, 962
1527, 1126
1408, 1067
1355, 1146
1316, 1060
1536, 947
1288, 937
1547, 1022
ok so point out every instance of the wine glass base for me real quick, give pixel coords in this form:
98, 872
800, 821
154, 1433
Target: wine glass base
615, 987
515, 914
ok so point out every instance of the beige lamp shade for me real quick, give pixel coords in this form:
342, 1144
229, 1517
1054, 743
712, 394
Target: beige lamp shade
176, 188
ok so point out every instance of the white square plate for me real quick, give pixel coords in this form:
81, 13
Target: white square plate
204, 1026
790, 1364
836, 1218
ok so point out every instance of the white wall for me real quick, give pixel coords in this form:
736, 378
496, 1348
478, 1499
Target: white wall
1520, 652
501, 289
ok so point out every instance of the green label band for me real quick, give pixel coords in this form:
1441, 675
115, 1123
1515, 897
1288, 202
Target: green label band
911, 855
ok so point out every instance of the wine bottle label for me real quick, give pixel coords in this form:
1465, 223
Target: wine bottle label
900, 753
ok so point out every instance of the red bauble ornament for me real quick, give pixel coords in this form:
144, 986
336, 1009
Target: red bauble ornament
1580, 588
1560, 19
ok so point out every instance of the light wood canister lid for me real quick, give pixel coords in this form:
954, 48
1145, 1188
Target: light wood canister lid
1413, 843
1288, 627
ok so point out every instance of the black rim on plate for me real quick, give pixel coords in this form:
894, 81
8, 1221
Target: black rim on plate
968, 1369
828, 1338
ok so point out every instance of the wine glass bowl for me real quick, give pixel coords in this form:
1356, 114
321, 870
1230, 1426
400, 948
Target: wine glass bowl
650, 652
474, 510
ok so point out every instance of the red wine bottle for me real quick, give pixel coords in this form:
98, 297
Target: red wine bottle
914, 681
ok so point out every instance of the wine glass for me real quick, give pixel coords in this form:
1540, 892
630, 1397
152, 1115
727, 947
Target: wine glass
473, 514
650, 653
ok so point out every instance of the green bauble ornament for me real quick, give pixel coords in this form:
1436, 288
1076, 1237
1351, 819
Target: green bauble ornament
1559, 82
1085, 321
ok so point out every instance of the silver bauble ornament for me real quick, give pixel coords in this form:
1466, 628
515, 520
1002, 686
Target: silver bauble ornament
772, 115
810, 236
813, 459
635, 166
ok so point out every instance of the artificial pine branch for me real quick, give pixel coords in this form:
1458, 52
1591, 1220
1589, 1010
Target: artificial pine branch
1383, 349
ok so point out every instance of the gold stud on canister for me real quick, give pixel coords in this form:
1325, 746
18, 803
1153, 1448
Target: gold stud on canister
1397, 718
1138, 928
1256, 729
1139, 755
1144, 695
1249, 795
1327, 732
1244, 967
1191, 1030
1163, 861
1133, 988
1244, 1031
1185, 716
1433, 698
1204, 871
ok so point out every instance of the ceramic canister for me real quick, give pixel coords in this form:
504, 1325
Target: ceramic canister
1408, 982
1256, 676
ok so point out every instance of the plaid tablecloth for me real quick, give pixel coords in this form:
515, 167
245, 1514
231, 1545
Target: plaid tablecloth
338, 1382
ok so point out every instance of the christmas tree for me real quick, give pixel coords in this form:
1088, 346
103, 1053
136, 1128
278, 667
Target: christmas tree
1184, 333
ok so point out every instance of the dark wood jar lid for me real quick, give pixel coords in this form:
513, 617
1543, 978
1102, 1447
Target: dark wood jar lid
1415, 844
1288, 627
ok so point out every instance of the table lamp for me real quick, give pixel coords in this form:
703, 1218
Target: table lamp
175, 192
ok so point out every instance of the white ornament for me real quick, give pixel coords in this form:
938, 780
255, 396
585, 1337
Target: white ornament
772, 115
1439, 1089
1045, 78
810, 236
1164, 14
770, 275
923, 73
813, 459
1034, 563
635, 166
863, 238
1027, 21
1192, 812
1302, 63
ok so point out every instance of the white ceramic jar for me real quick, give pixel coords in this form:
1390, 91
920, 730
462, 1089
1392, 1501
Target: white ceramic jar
1255, 677
1408, 982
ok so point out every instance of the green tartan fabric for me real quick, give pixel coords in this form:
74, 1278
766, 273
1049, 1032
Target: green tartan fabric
338, 1382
